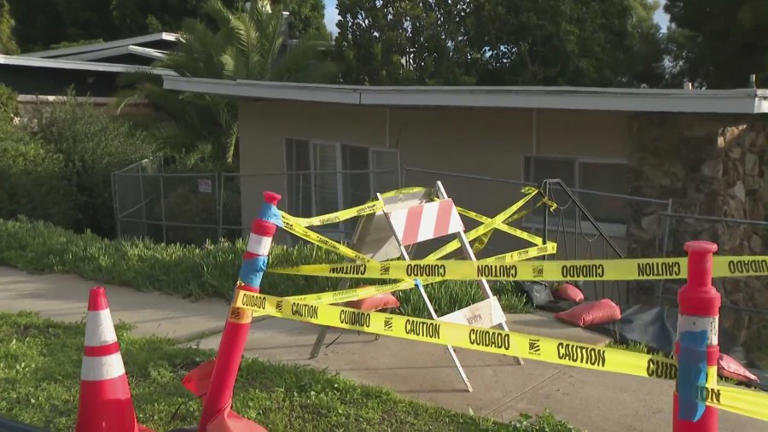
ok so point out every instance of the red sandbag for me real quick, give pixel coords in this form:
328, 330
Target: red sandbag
569, 292
729, 367
379, 301
591, 313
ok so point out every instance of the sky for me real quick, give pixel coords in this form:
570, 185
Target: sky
331, 16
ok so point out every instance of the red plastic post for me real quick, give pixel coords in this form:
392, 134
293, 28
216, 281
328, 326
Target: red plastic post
699, 310
233, 339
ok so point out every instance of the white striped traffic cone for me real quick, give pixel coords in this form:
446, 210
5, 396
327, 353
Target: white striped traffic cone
105, 398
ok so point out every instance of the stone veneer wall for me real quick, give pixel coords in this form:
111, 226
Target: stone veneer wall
713, 166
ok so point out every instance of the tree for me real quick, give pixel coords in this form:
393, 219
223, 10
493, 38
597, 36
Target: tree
557, 42
306, 17
718, 44
551, 42
7, 42
402, 41
43, 23
245, 42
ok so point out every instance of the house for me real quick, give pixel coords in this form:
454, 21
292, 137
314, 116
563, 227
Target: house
326, 147
45, 77
139, 50
91, 70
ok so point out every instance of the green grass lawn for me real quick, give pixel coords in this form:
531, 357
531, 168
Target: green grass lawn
40, 370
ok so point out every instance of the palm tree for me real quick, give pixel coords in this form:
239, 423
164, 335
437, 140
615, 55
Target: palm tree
245, 42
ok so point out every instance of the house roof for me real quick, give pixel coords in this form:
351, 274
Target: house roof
742, 101
151, 53
55, 63
100, 46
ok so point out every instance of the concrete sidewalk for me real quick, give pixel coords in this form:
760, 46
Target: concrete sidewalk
589, 400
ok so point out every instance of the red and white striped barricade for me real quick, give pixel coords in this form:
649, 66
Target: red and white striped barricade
436, 219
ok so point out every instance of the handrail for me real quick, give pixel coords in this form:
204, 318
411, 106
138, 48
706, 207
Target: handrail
545, 186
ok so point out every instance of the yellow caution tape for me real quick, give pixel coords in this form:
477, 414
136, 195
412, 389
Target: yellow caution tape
361, 210
290, 225
507, 267
514, 344
483, 240
371, 290
749, 403
501, 267
491, 224
341, 215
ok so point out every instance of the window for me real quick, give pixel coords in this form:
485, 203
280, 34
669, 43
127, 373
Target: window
589, 175
325, 176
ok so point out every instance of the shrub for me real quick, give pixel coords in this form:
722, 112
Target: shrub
9, 104
32, 181
207, 271
92, 144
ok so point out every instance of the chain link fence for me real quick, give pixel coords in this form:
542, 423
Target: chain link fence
585, 225
200, 207
194, 208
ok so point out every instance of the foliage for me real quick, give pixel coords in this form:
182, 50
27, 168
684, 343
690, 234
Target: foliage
307, 17
70, 44
196, 272
41, 24
239, 43
40, 364
718, 44
550, 42
403, 41
34, 182
9, 105
7, 42
92, 144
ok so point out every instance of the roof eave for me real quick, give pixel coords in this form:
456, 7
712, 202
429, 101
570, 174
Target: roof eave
737, 101
59, 52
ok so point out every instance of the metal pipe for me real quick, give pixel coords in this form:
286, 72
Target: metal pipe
220, 203
115, 204
162, 207
469, 176
664, 245
714, 218
143, 207
586, 213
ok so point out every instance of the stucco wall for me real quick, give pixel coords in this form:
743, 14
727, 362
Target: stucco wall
490, 142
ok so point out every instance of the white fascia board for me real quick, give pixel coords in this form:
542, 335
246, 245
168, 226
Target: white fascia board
736, 101
264, 90
761, 101
112, 52
153, 37
81, 65
700, 101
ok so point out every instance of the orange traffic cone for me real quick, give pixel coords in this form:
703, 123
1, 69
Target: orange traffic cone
105, 399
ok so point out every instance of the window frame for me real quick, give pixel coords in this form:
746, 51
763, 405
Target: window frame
340, 171
612, 229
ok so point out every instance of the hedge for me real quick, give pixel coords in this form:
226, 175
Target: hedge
202, 271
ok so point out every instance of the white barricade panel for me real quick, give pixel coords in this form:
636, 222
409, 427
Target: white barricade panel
486, 313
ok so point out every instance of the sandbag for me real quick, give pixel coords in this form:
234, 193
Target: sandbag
569, 292
591, 313
374, 303
729, 367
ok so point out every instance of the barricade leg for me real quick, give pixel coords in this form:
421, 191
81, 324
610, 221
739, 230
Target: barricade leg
696, 347
217, 414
